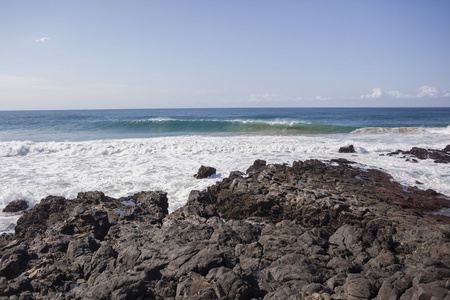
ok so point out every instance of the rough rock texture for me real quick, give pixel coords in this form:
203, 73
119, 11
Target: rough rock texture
439, 156
325, 195
316, 230
257, 165
204, 172
347, 149
15, 206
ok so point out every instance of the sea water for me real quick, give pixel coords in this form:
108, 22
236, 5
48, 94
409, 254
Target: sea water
121, 152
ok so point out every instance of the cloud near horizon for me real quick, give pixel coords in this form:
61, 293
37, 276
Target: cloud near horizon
42, 40
320, 98
421, 92
424, 91
427, 91
275, 98
269, 97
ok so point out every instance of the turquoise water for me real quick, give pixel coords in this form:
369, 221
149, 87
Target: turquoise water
79, 125
121, 152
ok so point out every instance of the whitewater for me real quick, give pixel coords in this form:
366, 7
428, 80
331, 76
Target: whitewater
121, 152
121, 167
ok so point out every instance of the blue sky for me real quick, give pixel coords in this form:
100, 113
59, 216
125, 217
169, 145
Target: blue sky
163, 54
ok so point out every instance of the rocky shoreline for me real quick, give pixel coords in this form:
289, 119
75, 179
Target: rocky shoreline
313, 230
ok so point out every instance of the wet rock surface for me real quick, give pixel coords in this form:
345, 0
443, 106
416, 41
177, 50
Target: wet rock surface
313, 230
16, 206
205, 172
438, 156
347, 149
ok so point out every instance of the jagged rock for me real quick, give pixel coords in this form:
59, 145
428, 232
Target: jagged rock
347, 149
14, 261
205, 172
313, 230
36, 220
439, 156
257, 165
322, 195
16, 206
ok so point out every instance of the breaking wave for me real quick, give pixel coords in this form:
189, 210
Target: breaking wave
162, 125
402, 130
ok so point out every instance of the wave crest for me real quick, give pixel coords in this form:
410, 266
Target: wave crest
277, 127
401, 130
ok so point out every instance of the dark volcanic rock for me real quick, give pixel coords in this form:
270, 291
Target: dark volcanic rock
205, 172
439, 156
323, 195
36, 220
16, 206
347, 149
257, 165
316, 230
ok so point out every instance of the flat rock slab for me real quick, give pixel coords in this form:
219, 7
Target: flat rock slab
439, 156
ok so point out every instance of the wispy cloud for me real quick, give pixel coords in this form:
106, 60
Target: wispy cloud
42, 40
276, 98
397, 94
269, 97
28, 92
320, 98
266, 97
376, 93
427, 91
27, 83
422, 92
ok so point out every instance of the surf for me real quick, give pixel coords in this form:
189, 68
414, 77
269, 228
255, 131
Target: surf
168, 125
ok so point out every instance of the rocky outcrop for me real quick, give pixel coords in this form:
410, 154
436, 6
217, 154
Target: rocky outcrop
205, 172
16, 206
439, 156
314, 230
325, 195
257, 165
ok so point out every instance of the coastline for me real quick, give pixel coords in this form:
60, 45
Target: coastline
31, 171
313, 230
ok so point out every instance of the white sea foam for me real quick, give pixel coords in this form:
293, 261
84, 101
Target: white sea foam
401, 130
32, 170
244, 121
154, 120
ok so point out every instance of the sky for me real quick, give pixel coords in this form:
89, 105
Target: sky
181, 54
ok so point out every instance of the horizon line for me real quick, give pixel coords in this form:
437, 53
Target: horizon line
246, 107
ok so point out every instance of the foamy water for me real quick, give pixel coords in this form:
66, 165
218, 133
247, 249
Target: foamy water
34, 170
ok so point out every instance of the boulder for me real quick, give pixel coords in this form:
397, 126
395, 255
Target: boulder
205, 172
16, 206
347, 149
357, 287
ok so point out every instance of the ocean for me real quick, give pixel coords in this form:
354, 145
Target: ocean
121, 152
